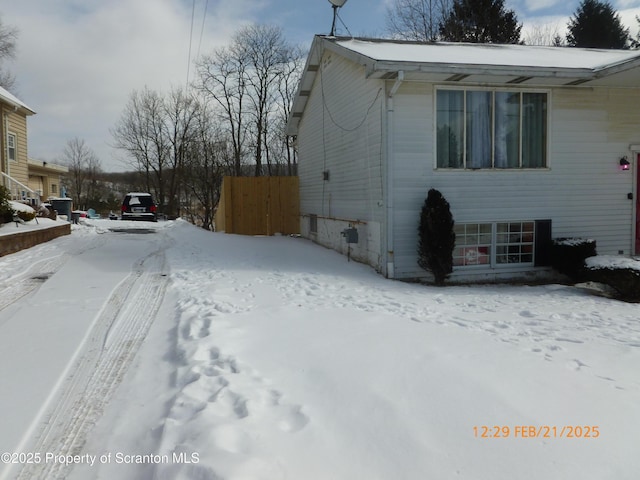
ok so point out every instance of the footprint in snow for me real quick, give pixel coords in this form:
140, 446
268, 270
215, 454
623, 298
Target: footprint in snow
230, 438
577, 365
569, 340
292, 419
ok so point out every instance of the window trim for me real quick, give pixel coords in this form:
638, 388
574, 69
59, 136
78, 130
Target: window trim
11, 135
484, 259
493, 90
313, 223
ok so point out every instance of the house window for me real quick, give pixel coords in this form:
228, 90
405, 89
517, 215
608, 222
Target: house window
495, 244
11, 147
54, 188
482, 129
514, 242
313, 223
473, 244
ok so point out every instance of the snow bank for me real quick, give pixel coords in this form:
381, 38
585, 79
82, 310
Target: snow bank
21, 207
290, 362
274, 358
612, 262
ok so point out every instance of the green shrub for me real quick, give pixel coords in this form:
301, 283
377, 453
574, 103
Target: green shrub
436, 238
621, 274
568, 256
6, 212
26, 216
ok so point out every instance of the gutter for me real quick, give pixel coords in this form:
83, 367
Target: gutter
390, 177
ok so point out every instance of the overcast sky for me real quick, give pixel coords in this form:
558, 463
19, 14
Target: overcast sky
79, 60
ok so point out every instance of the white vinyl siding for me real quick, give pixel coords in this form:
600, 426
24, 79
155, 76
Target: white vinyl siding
582, 191
340, 140
342, 133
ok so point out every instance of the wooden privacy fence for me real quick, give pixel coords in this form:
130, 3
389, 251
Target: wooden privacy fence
259, 206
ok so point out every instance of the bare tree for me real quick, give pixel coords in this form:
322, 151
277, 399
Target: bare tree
8, 37
84, 169
417, 19
286, 90
209, 159
544, 34
139, 133
245, 81
222, 79
266, 53
156, 132
181, 114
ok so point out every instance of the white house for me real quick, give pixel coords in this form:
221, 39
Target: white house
526, 143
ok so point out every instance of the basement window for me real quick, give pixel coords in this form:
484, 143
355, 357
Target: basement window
496, 244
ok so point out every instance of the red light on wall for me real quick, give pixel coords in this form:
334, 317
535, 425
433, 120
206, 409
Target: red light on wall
624, 164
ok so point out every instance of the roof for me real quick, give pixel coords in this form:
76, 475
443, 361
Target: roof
14, 101
46, 167
472, 64
494, 55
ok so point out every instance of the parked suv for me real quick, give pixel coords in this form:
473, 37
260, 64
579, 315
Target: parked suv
139, 206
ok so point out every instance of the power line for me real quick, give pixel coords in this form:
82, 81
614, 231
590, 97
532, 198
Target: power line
204, 17
193, 14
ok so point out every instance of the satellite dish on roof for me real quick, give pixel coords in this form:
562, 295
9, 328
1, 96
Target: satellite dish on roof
336, 4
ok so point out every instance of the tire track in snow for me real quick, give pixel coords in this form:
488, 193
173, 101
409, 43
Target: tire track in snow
106, 354
24, 283
13, 289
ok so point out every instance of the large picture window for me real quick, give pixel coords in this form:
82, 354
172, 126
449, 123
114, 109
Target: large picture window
483, 129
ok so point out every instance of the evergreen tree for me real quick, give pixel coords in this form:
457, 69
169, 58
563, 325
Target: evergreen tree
635, 42
597, 25
481, 21
436, 238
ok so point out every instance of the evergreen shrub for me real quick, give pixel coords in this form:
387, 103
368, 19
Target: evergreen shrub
568, 256
623, 279
6, 212
436, 238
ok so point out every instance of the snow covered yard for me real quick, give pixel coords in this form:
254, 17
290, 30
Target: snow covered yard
274, 358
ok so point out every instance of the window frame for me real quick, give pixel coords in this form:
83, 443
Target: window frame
479, 253
464, 145
12, 138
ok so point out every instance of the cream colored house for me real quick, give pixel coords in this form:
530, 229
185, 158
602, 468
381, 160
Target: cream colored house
28, 180
14, 165
45, 178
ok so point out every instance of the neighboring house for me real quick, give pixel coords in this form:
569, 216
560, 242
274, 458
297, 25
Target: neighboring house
526, 143
13, 146
45, 178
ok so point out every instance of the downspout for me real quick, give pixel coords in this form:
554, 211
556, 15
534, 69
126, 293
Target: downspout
5, 146
390, 161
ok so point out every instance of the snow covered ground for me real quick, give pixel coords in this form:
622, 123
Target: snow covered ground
162, 351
